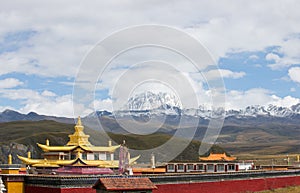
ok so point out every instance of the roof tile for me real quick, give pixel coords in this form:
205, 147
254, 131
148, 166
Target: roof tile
125, 184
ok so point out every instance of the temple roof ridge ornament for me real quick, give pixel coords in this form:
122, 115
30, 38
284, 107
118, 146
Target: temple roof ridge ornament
79, 137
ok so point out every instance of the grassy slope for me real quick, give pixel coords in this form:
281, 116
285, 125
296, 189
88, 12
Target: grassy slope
21, 136
267, 139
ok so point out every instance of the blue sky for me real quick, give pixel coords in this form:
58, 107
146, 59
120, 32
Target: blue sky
256, 45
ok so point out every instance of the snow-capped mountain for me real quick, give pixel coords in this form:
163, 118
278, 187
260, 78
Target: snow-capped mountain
149, 101
162, 104
296, 108
257, 110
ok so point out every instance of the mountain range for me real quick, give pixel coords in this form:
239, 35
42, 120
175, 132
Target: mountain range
158, 104
255, 130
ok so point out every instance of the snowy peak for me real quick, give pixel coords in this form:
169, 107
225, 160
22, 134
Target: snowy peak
165, 103
150, 101
270, 110
280, 111
296, 108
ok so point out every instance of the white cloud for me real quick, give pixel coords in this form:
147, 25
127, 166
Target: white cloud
294, 74
287, 101
105, 104
213, 74
290, 54
272, 57
3, 108
253, 57
64, 33
60, 106
63, 37
258, 96
10, 83
45, 102
48, 93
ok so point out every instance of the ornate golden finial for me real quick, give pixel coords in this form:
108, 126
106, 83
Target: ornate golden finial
47, 142
9, 161
29, 155
79, 137
79, 121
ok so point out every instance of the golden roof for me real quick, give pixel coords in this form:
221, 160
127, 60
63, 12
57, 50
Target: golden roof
217, 157
98, 148
77, 140
78, 143
74, 162
44, 162
47, 148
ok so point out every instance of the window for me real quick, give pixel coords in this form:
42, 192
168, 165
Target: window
210, 167
180, 167
102, 156
220, 168
171, 167
84, 156
96, 156
108, 157
73, 156
200, 167
190, 167
231, 167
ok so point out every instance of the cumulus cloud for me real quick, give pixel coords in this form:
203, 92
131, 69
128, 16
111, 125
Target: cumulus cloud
105, 104
3, 108
10, 83
272, 57
224, 73
288, 54
46, 102
257, 96
63, 37
48, 93
253, 57
287, 101
294, 74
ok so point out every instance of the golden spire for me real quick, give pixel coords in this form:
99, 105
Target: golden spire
79, 121
79, 127
79, 137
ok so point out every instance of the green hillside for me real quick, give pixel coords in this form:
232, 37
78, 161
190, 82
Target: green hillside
21, 136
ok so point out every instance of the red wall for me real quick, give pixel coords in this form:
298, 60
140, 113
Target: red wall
229, 186
232, 186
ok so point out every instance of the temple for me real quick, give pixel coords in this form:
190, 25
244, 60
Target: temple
217, 157
77, 152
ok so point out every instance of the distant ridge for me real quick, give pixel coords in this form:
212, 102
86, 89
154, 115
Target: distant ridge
10, 115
